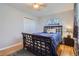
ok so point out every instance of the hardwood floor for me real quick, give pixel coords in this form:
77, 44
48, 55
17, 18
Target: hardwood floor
16, 47
22, 52
17, 50
64, 50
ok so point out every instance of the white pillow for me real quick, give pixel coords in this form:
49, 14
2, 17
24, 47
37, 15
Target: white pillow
51, 30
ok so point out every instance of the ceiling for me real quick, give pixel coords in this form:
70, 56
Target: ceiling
51, 8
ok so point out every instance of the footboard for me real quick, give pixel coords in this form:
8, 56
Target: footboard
38, 45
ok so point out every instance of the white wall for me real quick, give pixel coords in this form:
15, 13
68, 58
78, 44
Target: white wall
12, 25
67, 18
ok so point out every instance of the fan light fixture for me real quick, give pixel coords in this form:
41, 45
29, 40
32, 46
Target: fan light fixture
38, 5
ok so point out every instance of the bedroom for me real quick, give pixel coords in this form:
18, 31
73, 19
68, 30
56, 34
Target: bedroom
18, 20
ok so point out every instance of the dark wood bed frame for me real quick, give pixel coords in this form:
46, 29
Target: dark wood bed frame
40, 45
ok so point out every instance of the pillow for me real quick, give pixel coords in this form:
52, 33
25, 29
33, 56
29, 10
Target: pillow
51, 30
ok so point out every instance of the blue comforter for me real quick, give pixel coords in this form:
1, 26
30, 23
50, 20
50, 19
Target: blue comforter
55, 37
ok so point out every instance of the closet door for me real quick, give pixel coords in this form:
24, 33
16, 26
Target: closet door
29, 26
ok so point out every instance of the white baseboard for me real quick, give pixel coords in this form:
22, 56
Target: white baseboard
19, 43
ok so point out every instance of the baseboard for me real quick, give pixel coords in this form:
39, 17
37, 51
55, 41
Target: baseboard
11, 49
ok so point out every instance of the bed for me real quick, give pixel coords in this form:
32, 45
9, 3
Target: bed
43, 43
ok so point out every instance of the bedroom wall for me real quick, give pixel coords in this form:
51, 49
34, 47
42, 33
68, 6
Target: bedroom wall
12, 25
66, 17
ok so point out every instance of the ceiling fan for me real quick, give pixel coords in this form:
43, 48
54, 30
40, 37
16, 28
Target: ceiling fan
38, 6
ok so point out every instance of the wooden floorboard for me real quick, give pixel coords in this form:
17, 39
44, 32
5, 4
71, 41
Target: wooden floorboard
11, 50
64, 50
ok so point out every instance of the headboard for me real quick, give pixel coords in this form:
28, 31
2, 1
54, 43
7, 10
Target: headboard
58, 28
